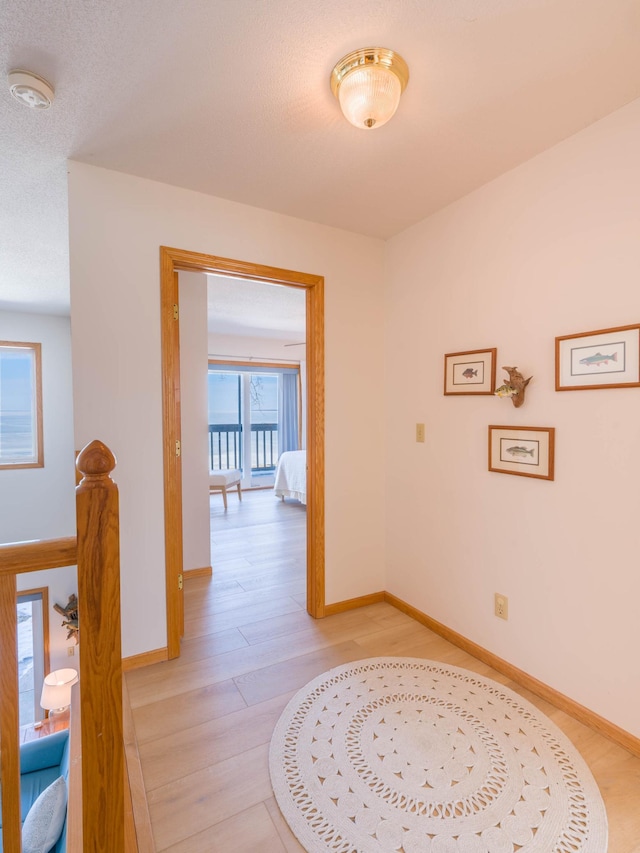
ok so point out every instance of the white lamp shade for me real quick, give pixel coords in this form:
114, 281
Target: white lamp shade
369, 95
56, 690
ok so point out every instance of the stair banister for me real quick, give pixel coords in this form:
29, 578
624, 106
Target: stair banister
100, 653
98, 824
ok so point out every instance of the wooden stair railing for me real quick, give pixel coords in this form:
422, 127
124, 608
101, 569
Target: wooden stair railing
9, 749
101, 828
101, 652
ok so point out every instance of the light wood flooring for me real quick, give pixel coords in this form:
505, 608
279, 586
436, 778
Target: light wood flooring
204, 721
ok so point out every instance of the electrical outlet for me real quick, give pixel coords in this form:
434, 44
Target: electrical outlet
71, 651
501, 605
420, 433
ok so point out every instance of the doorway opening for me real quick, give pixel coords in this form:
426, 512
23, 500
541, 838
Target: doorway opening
33, 651
177, 260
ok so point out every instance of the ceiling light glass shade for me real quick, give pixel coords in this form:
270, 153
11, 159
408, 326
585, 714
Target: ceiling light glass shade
368, 84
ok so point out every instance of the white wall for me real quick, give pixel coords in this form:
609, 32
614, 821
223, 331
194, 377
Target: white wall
194, 437
39, 503
551, 248
243, 347
117, 224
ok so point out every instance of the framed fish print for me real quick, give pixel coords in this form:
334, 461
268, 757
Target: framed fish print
525, 451
472, 372
609, 358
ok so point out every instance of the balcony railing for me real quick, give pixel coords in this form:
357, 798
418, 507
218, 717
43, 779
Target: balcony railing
225, 447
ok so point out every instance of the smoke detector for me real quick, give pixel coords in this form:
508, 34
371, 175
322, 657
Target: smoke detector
30, 89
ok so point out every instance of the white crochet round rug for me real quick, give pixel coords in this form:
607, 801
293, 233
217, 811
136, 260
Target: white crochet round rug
409, 755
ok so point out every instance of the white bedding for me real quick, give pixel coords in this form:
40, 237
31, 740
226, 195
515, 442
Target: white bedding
291, 475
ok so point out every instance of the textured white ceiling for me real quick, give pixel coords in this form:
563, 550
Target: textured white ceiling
255, 309
231, 98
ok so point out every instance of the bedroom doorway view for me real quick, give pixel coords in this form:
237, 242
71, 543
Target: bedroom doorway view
263, 553
256, 426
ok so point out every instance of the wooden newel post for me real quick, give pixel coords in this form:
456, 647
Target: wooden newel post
9, 749
100, 652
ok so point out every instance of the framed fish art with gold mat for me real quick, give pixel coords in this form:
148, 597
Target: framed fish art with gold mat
525, 451
472, 372
608, 358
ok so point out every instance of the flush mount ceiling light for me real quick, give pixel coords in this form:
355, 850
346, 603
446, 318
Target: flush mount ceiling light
368, 84
30, 89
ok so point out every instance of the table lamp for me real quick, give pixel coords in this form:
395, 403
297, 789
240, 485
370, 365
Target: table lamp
56, 690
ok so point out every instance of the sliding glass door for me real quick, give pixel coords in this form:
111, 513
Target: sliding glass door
263, 426
225, 420
253, 417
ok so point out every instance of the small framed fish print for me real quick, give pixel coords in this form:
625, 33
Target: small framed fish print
609, 358
525, 451
471, 372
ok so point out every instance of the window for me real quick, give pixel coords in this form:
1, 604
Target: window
33, 652
20, 406
253, 418
225, 420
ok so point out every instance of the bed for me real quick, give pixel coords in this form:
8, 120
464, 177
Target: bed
291, 476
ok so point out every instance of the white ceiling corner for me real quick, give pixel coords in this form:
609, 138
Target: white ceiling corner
492, 83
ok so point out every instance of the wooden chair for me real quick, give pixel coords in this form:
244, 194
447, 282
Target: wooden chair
220, 481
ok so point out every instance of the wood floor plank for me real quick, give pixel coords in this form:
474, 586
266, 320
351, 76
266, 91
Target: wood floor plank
394, 641
173, 677
224, 586
355, 623
228, 591
229, 581
205, 770
227, 567
199, 648
275, 585
202, 799
287, 559
210, 742
186, 710
281, 626
250, 831
291, 843
177, 677
262, 684
232, 608
238, 615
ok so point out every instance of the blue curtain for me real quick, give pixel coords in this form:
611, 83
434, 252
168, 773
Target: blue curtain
288, 416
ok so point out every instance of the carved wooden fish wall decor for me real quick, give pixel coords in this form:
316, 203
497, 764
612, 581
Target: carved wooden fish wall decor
514, 387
